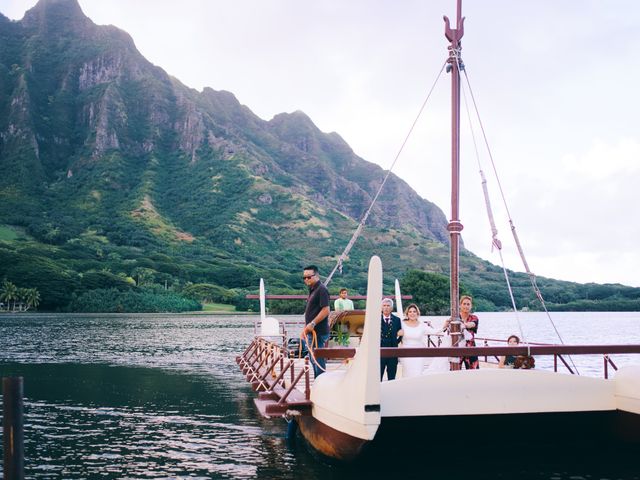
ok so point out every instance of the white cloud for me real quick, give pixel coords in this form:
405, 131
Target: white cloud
578, 221
604, 161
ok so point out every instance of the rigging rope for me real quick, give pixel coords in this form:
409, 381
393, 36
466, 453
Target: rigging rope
358, 230
495, 241
498, 245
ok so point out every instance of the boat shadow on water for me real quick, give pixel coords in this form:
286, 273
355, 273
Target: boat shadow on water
497, 446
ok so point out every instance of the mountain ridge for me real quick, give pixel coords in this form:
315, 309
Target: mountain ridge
99, 143
113, 165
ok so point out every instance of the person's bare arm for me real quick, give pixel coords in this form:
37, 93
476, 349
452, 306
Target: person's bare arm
320, 317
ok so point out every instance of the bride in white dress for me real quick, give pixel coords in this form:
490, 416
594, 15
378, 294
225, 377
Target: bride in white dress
415, 336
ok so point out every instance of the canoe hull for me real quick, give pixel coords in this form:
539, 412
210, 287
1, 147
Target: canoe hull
330, 443
555, 438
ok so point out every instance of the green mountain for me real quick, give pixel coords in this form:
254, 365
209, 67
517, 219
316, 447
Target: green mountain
113, 170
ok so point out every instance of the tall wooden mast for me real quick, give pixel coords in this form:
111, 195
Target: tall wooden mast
455, 227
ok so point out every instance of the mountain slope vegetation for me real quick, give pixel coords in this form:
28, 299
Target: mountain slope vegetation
117, 176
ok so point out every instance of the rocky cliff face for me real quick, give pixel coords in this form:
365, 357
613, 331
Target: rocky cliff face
94, 137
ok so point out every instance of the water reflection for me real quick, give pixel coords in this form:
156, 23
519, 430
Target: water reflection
133, 422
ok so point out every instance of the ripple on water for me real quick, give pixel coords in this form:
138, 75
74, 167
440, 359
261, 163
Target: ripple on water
137, 442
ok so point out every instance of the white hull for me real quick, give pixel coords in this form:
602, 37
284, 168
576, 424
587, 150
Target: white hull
507, 391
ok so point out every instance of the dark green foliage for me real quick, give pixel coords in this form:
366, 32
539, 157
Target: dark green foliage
54, 282
615, 304
207, 293
430, 291
243, 304
116, 301
104, 280
286, 307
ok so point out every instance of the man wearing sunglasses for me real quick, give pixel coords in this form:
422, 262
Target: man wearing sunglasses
316, 314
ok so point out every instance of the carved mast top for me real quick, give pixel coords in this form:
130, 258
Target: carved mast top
455, 35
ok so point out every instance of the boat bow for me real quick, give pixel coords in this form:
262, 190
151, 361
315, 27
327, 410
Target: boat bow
349, 400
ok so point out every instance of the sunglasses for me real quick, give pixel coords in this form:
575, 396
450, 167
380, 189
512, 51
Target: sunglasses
307, 277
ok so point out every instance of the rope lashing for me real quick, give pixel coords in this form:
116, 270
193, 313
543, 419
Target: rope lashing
360, 226
495, 241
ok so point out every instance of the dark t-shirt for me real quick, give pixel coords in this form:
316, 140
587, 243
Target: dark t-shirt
318, 299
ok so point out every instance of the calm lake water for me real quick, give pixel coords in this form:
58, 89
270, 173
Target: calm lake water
160, 396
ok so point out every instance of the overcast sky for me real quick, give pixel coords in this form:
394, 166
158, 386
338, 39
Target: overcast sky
556, 83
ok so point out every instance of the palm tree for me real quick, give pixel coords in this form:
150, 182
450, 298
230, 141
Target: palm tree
8, 293
32, 298
21, 297
143, 275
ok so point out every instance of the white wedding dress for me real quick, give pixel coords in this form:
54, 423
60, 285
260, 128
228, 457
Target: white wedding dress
441, 364
414, 337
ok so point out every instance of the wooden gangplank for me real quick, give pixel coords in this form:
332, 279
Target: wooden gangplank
283, 383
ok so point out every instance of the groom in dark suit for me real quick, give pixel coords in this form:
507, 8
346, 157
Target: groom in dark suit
390, 335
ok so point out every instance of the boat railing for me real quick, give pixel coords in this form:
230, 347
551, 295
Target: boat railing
557, 351
283, 381
434, 340
270, 370
607, 360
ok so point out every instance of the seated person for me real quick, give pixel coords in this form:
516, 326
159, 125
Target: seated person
342, 302
509, 360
